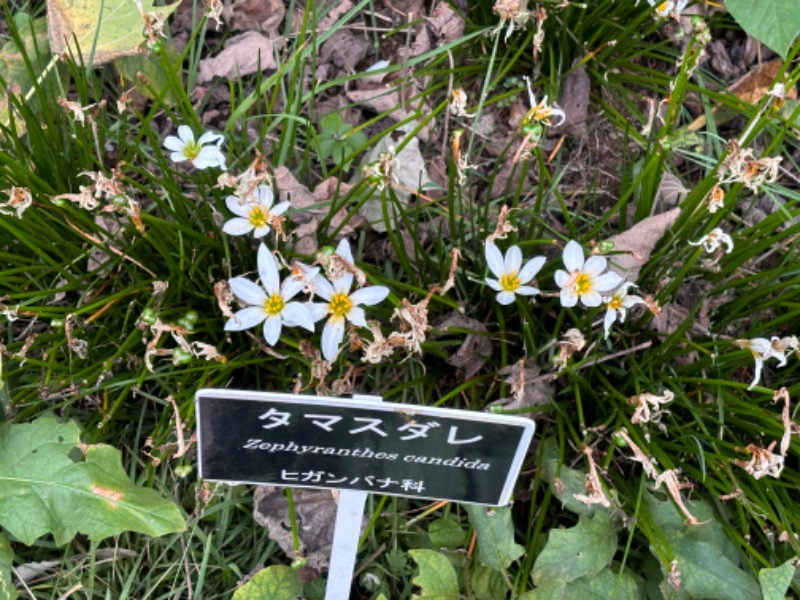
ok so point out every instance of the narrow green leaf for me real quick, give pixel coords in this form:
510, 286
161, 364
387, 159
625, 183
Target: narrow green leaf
7, 590
47, 486
437, 577
495, 531
775, 582
277, 582
581, 551
776, 23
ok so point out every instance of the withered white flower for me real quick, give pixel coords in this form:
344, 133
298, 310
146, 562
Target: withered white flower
512, 276
254, 213
342, 305
715, 239
203, 153
762, 349
664, 9
584, 280
617, 305
270, 302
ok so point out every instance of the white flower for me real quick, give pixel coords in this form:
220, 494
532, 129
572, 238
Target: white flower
584, 280
341, 305
617, 305
663, 9
511, 275
255, 214
713, 240
762, 349
202, 153
270, 305
541, 112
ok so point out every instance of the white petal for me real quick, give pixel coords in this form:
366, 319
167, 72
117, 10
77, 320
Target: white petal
260, 232
237, 226
573, 256
209, 137
237, 207
757, 374
297, 314
248, 291
323, 288
290, 288
173, 143
342, 285
568, 298
606, 281
178, 157
591, 299
246, 318
527, 290
268, 271
265, 195
209, 156
318, 310
279, 209
595, 265
505, 297
343, 250
513, 260
561, 278
369, 295
494, 284
531, 268
356, 316
632, 300
186, 134
608, 321
332, 336
494, 259
272, 329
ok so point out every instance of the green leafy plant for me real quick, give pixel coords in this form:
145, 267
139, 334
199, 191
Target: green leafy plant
337, 140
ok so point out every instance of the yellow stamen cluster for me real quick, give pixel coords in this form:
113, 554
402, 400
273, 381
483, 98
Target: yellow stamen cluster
615, 303
192, 150
258, 216
510, 281
273, 305
583, 284
340, 305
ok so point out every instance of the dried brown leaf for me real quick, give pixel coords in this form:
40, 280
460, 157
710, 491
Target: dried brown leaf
575, 104
447, 24
476, 347
255, 15
527, 387
638, 242
315, 513
395, 102
243, 54
344, 50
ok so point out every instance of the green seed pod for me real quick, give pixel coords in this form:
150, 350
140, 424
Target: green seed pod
149, 316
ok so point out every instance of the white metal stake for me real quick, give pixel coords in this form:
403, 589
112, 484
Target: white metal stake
346, 534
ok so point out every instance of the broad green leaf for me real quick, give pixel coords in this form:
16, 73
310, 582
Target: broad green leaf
707, 573
437, 577
581, 551
116, 26
48, 486
606, 585
7, 590
14, 71
487, 584
776, 23
446, 533
775, 582
277, 582
149, 65
495, 531
571, 482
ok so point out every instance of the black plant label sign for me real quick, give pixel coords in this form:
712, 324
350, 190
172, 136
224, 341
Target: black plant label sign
359, 444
